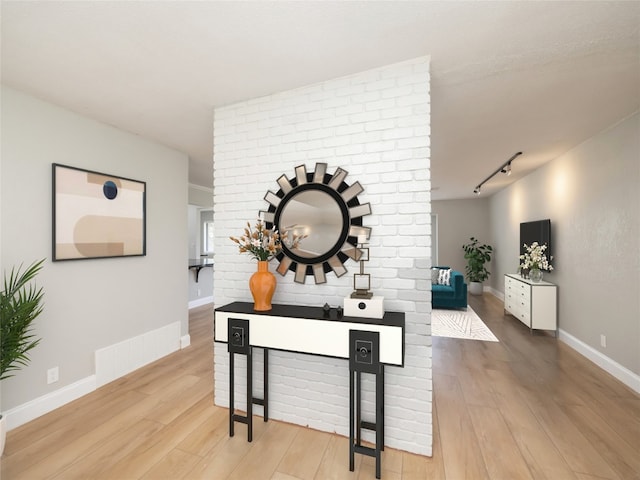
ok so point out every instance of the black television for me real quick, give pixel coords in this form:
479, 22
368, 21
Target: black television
537, 231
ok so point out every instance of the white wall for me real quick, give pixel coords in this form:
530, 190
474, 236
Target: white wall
201, 196
592, 196
200, 204
458, 221
88, 304
193, 212
200, 292
375, 125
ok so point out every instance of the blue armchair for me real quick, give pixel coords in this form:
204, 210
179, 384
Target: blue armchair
450, 296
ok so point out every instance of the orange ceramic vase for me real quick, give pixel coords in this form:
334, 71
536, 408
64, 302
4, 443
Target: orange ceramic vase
262, 285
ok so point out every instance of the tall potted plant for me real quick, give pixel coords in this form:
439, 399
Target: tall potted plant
476, 254
20, 304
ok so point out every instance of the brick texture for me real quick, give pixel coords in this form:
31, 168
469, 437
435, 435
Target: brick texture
376, 126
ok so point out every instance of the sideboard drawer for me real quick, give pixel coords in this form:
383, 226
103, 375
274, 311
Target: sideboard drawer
524, 315
509, 302
524, 299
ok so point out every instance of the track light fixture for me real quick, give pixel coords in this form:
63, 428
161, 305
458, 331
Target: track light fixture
504, 168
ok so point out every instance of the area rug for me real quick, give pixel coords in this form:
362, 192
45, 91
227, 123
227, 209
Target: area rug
460, 324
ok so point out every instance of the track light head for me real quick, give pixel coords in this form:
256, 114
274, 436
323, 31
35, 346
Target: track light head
504, 168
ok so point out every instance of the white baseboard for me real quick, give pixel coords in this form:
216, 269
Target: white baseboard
610, 366
112, 362
623, 374
200, 302
39, 406
495, 293
124, 357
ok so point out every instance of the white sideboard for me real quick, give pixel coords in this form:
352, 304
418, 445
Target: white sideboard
533, 303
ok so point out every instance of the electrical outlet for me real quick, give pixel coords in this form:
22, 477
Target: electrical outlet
603, 341
199, 292
53, 375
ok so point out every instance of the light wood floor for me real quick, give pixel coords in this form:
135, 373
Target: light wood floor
527, 407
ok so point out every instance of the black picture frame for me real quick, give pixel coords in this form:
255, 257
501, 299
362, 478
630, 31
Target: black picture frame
97, 215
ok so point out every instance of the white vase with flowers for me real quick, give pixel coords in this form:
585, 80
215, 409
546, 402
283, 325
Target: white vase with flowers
535, 261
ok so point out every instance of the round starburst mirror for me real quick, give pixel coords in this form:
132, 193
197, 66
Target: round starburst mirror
324, 209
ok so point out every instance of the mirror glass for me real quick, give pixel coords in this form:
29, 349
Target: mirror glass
316, 215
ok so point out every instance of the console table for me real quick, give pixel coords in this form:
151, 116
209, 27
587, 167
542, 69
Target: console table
368, 343
533, 303
303, 329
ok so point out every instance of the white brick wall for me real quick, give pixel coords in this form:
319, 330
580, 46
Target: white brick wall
375, 125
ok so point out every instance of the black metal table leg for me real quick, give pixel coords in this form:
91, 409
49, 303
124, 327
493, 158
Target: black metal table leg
231, 397
238, 337
381, 400
351, 422
250, 395
266, 385
379, 421
364, 357
358, 409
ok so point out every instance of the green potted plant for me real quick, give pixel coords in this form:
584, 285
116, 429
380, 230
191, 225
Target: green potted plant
20, 304
476, 255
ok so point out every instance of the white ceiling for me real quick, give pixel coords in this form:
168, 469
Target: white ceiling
537, 77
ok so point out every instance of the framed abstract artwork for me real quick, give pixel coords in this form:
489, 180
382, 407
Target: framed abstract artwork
96, 215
